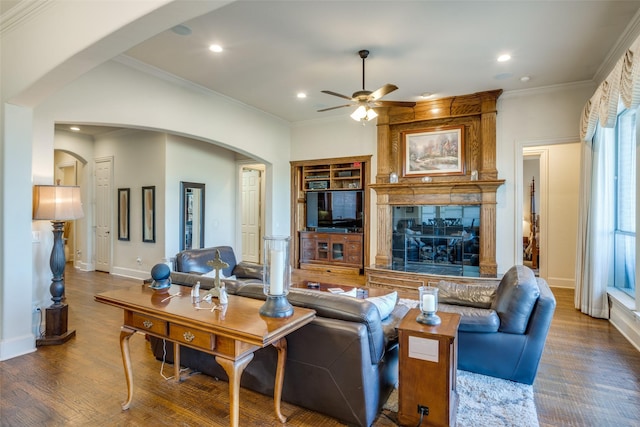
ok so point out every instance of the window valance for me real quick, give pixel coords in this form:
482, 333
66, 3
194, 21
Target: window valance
621, 85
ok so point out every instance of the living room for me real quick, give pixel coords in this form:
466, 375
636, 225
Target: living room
121, 93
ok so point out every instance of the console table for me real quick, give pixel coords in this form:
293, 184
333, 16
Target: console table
428, 366
232, 335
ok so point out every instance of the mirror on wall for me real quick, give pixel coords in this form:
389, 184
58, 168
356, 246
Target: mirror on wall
191, 215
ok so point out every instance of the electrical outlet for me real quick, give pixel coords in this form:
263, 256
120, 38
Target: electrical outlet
423, 410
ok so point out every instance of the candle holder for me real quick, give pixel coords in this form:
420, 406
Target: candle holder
428, 306
276, 277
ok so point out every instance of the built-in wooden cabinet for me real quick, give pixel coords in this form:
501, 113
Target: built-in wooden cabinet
330, 211
339, 249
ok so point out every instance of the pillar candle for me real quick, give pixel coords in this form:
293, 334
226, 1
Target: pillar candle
276, 269
428, 303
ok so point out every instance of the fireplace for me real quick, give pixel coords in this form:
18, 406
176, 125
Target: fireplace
470, 205
436, 239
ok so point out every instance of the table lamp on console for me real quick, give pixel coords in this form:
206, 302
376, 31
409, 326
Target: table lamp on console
58, 204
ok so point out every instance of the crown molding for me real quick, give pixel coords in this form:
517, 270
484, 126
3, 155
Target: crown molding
630, 34
23, 11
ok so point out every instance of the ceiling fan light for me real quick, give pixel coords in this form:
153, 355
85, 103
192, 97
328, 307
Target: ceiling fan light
371, 114
359, 114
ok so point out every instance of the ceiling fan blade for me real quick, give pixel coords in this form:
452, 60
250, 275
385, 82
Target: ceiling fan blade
394, 104
379, 93
333, 108
339, 95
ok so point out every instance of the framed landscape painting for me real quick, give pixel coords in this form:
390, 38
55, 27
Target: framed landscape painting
437, 151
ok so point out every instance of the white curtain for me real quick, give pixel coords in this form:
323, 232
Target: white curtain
594, 256
596, 224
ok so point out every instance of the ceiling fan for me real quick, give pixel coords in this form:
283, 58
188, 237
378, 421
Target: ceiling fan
367, 100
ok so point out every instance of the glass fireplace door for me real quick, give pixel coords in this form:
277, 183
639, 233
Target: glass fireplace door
437, 239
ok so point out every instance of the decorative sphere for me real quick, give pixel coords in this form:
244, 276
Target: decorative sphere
160, 272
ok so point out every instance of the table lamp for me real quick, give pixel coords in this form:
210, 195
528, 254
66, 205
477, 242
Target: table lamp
57, 204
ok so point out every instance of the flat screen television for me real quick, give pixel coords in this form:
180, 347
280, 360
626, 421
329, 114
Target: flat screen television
338, 211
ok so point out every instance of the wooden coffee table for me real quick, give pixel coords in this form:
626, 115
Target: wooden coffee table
232, 335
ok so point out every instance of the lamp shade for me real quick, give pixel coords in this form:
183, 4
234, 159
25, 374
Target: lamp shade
57, 202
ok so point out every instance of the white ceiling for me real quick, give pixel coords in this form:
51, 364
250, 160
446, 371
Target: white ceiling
274, 49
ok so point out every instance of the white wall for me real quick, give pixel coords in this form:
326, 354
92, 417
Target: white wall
340, 137
138, 161
528, 119
197, 161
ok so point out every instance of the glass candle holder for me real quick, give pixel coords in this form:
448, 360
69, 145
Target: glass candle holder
276, 277
428, 306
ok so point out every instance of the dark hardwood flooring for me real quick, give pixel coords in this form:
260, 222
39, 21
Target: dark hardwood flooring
589, 376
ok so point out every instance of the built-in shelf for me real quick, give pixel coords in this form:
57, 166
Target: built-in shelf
332, 176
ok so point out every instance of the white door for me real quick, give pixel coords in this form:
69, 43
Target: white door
251, 215
103, 213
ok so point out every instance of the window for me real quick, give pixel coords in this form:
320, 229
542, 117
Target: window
625, 207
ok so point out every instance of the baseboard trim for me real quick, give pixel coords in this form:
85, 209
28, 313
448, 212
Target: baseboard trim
130, 273
17, 346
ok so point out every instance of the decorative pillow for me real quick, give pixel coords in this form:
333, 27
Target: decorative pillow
478, 295
385, 303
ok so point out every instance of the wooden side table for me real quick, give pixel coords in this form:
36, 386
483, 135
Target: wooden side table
428, 364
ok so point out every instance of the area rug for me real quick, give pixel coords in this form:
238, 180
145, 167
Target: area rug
488, 401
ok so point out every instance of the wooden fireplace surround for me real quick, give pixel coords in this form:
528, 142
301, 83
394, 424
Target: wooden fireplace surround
477, 113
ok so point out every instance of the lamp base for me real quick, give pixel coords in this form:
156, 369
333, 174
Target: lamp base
56, 326
430, 319
276, 306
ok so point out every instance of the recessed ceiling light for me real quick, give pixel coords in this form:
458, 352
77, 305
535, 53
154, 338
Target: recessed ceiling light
75, 128
525, 79
301, 95
504, 57
215, 48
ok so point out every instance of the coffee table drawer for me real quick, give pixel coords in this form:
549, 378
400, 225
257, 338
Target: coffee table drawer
191, 336
146, 323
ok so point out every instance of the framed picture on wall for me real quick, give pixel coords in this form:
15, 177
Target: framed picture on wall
123, 213
437, 151
148, 214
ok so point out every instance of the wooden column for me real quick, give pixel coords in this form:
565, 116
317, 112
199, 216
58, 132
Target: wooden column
385, 231
488, 129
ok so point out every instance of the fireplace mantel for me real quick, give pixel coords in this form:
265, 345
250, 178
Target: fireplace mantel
438, 193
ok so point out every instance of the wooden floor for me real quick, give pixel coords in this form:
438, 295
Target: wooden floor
589, 376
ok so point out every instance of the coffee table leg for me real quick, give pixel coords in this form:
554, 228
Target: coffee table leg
234, 372
125, 335
281, 346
